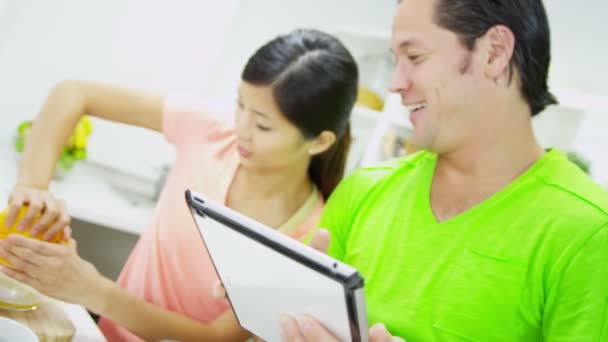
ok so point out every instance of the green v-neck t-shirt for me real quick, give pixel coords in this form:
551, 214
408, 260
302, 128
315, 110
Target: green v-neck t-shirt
530, 263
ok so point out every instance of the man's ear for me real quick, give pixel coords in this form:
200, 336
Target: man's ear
499, 43
322, 143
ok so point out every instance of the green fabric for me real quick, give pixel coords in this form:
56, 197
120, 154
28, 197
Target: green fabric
530, 262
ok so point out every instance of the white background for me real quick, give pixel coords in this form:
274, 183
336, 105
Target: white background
200, 46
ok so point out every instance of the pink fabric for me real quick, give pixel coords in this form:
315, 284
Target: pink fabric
170, 266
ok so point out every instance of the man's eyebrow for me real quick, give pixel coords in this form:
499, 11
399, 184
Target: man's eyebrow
407, 44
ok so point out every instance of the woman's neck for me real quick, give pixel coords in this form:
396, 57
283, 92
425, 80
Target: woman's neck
290, 186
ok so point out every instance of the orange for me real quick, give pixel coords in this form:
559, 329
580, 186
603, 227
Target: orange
6, 231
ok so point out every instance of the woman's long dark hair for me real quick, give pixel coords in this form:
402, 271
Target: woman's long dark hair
314, 80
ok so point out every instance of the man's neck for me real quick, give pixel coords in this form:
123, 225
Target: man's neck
497, 155
467, 176
498, 164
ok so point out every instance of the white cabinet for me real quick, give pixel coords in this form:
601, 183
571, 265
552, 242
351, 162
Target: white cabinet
567, 126
378, 133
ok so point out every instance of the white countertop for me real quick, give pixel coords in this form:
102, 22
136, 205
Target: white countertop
88, 193
90, 197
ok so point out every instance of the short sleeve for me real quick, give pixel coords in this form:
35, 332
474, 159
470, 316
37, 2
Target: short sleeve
338, 214
186, 117
577, 305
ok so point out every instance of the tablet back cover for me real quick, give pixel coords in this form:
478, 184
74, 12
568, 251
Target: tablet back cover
262, 284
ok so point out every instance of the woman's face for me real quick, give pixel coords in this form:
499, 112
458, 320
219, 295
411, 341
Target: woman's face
265, 138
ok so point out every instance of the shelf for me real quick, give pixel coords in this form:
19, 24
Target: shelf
401, 121
360, 112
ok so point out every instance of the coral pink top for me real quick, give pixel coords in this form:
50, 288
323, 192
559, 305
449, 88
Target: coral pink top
170, 266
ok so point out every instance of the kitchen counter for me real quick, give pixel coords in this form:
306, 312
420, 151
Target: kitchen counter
90, 197
86, 329
88, 193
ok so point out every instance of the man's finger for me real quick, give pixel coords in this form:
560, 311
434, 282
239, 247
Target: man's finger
290, 331
379, 333
320, 241
313, 331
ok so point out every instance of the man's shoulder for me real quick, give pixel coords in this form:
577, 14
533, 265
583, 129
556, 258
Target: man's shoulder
572, 205
371, 177
567, 183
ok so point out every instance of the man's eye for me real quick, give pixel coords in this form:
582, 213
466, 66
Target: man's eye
413, 58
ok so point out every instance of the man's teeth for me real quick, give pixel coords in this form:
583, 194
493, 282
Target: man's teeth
416, 107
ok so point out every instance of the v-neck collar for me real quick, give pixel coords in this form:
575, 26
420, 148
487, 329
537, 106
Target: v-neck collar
500, 195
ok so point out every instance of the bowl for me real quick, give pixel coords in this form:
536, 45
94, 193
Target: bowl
17, 296
13, 331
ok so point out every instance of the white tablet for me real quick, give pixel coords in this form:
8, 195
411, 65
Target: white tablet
267, 274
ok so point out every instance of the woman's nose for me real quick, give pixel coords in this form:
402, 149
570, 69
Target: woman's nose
243, 126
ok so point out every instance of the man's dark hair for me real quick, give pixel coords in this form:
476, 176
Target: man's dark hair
527, 19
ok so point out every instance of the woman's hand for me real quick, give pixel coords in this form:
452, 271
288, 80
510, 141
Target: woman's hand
55, 270
53, 212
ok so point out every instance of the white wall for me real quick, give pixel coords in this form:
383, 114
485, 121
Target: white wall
154, 44
202, 45
578, 48
258, 21
579, 45
3, 5
578, 52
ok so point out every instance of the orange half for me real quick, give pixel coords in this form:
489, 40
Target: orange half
6, 231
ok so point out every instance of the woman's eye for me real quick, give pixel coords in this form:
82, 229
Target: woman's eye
263, 128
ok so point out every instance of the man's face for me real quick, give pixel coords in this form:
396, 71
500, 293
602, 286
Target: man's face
438, 79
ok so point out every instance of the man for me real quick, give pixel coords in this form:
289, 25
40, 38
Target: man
484, 236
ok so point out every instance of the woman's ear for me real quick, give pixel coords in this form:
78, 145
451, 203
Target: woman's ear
322, 143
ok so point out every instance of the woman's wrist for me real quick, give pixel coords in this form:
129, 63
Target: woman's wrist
27, 180
100, 296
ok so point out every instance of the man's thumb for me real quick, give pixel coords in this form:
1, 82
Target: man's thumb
320, 241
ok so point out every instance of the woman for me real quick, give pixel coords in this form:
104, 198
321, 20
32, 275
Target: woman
286, 151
